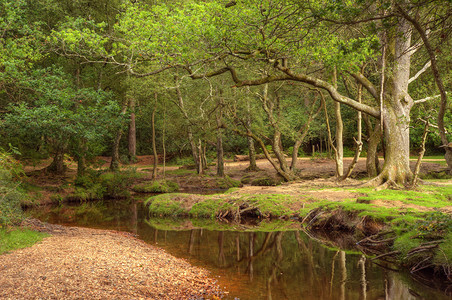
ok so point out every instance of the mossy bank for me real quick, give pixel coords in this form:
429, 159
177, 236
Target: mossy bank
412, 228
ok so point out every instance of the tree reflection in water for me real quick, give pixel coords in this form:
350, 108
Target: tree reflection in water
287, 265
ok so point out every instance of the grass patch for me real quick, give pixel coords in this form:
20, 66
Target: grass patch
18, 238
181, 172
167, 205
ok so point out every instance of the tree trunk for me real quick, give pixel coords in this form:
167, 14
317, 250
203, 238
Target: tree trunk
220, 161
251, 148
359, 142
438, 80
372, 162
199, 162
57, 166
81, 159
163, 140
396, 109
132, 138
339, 141
154, 147
339, 157
189, 127
114, 164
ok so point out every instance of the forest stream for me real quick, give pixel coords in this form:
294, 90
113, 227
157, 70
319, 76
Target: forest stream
251, 261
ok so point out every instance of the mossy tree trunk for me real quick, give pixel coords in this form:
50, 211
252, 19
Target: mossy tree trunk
114, 164
132, 137
251, 149
220, 152
396, 108
57, 166
373, 139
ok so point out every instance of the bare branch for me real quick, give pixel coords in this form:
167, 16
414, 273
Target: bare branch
420, 72
426, 99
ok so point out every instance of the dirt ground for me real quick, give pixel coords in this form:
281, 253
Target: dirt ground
314, 173
81, 263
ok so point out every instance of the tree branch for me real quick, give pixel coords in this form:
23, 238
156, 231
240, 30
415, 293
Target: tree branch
426, 99
420, 72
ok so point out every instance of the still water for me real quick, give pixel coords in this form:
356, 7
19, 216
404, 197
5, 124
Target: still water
270, 260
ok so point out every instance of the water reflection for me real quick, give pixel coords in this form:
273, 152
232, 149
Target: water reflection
252, 263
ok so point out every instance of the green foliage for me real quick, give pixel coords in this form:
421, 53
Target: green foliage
116, 184
10, 194
95, 185
157, 186
18, 238
76, 119
433, 225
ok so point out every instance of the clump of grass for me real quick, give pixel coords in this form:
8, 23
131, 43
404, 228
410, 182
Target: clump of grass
157, 186
18, 238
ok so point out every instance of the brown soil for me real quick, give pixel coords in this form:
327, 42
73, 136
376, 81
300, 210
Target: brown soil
80, 263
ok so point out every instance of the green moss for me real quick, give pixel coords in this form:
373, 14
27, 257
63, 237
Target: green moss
157, 186
227, 182
427, 196
406, 242
246, 179
181, 172
231, 190
18, 238
166, 205
210, 207
444, 255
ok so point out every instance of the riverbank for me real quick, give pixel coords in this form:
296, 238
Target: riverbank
74, 263
410, 228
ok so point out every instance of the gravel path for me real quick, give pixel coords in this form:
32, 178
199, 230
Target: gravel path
80, 263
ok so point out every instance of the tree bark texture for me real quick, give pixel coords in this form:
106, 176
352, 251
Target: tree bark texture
220, 152
132, 138
57, 166
114, 164
251, 148
154, 146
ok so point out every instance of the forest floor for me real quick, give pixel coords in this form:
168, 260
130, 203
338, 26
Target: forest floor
82, 263
315, 174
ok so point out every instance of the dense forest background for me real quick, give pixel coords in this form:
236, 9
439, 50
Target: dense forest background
196, 80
